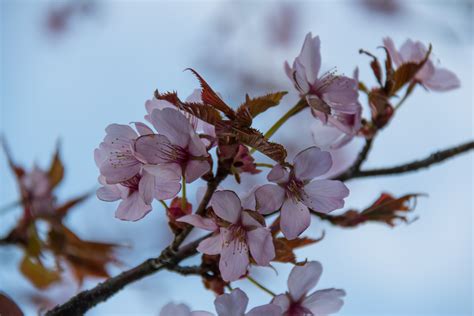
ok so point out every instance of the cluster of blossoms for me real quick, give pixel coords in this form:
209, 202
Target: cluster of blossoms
295, 302
142, 164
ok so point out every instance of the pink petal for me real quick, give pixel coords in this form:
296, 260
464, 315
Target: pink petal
162, 185
311, 163
325, 302
119, 133
248, 221
260, 242
174, 125
300, 79
211, 245
132, 208
394, 55
143, 129
196, 146
226, 204
172, 309
199, 313
295, 218
442, 80
153, 104
233, 304
234, 257
288, 70
278, 174
109, 193
265, 310
328, 137
153, 149
342, 94
325, 195
172, 171
100, 155
303, 278
283, 301
199, 221
310, 57
408, 51
119, 167
196, 169
249, 201
270, 198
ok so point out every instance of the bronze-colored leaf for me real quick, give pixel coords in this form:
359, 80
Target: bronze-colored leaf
86, 258
284, 248
208, 96
64, 208
37, 273
203, 112
406, 73
255, 106
375, 65
171, 97
56, 169
8, 307
17, 170
386, 209
253, 138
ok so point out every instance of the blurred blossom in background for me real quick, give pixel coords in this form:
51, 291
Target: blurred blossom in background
69, 68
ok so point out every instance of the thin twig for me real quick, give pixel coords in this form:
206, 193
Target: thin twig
361, 157
411, 166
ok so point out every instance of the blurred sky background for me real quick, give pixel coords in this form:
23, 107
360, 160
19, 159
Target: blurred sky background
70, 68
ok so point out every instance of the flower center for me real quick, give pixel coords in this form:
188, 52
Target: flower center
174, 154
296, 309
132, 183
294, 188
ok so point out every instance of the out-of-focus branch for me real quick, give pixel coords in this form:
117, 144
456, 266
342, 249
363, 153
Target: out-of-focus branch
85, 300
168, 259
411, 166
361, 157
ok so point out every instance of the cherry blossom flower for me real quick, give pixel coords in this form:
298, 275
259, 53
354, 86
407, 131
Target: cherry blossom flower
333, 99
297, 302
236, 231
172, 309
177, 146
341, 131
430, 76
295, 191
123, 175
199, 126
233, 304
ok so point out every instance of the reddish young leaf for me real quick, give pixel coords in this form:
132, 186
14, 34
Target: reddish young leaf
8, 307
175, 211
253, 138
17, 170
386, 209
64, 208
208, 96
284, 248
86, 258
255, 106
375, 65
406, 73
56, 169
213, 281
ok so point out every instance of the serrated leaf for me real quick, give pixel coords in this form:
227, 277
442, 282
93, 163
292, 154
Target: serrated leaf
253, 138
56, 169
171, 97
406, 73
386, 209
37, 273
284, 248
86, 258
258, 105
208, 96
203, 112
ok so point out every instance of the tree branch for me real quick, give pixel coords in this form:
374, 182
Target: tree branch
169, 259
87, 299
358, 162
412, 166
